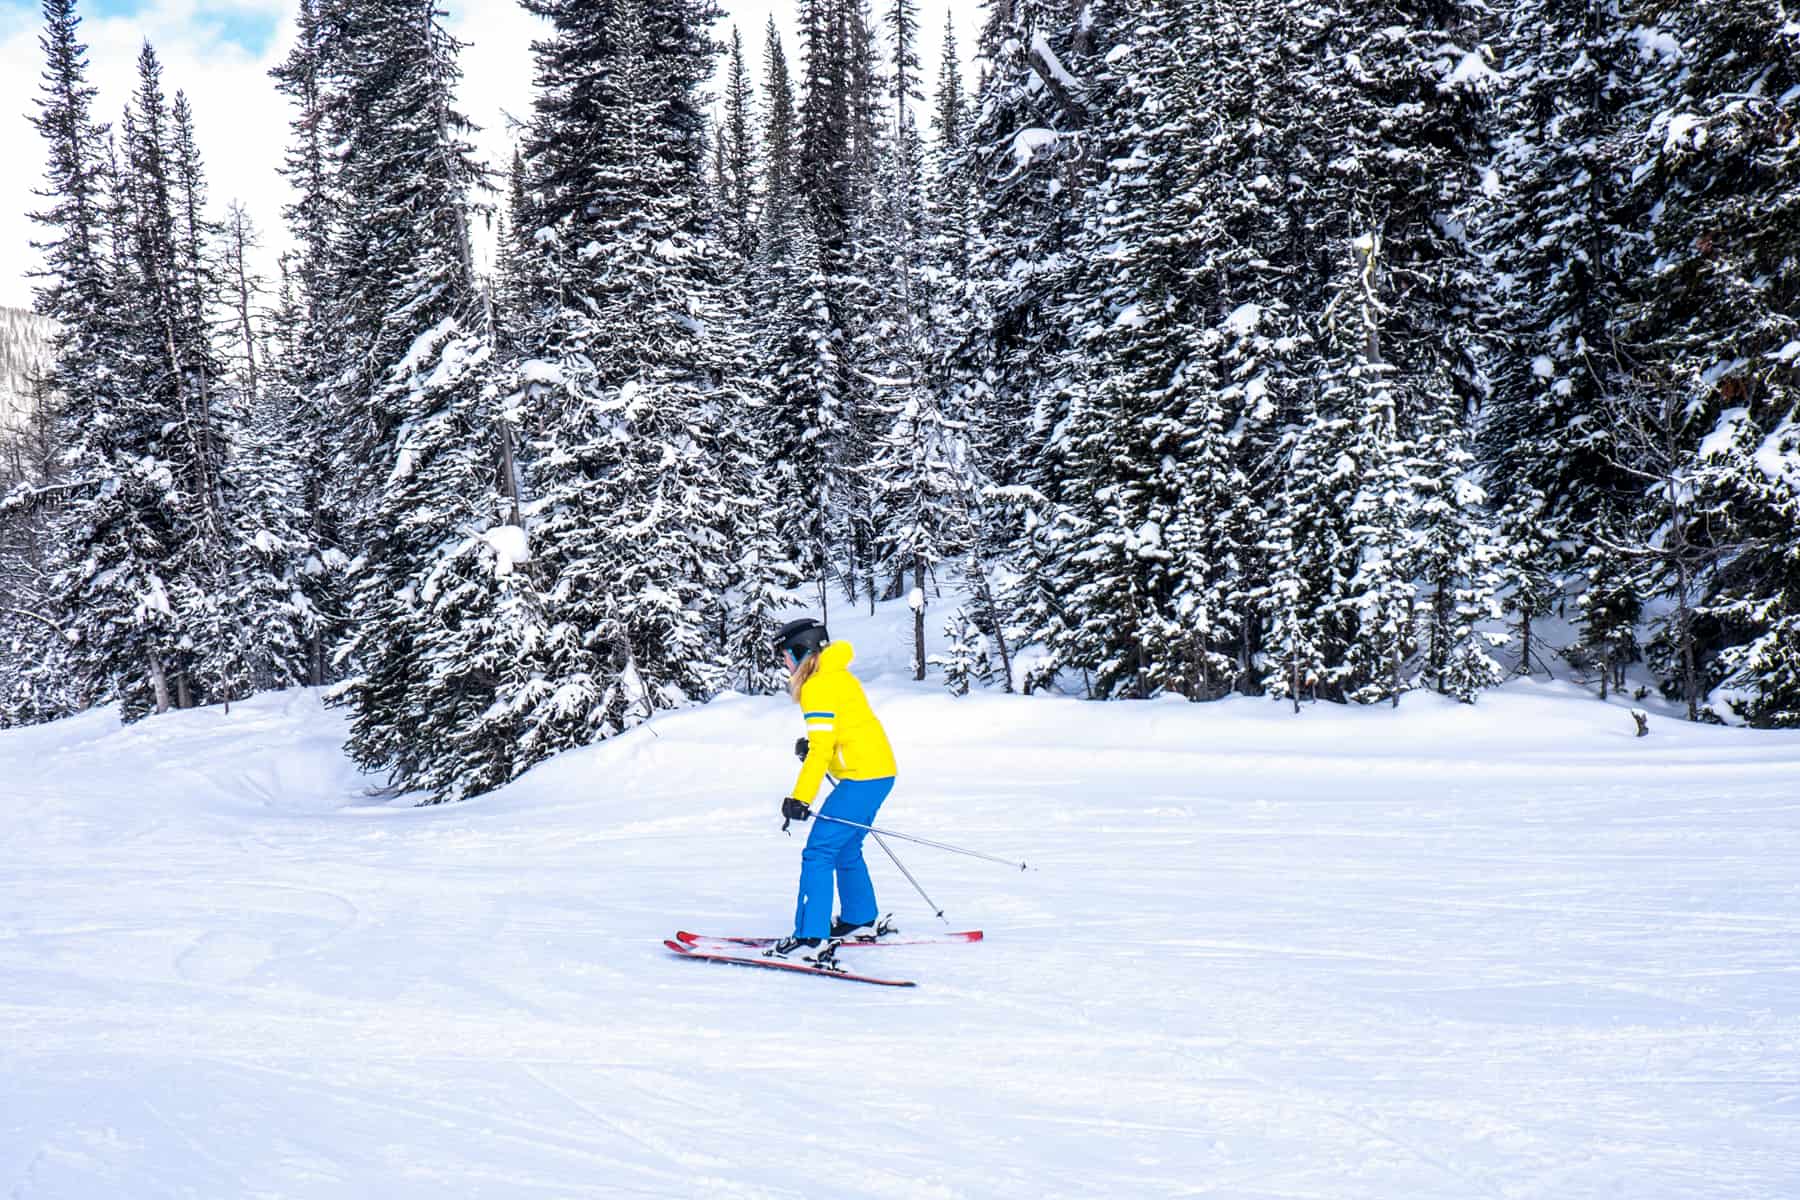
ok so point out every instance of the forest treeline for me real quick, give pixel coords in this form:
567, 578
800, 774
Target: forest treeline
1306, 349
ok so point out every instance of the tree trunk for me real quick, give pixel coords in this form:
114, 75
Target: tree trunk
509, 465
1684, 617
986, 596
1242, 682
918, 618
1690, 675
240, 252
159, 682
1440, 623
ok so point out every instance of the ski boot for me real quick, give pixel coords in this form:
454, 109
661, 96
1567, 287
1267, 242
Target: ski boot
806, 952
874, 931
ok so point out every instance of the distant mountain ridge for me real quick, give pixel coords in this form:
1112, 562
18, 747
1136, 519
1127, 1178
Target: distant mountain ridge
24, 354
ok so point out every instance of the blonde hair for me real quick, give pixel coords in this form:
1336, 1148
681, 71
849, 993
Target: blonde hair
799, 675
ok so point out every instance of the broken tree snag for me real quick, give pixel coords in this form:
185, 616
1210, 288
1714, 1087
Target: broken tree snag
1057, 80
1643, 721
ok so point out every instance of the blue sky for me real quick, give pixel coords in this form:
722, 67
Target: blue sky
249, 26
252, 27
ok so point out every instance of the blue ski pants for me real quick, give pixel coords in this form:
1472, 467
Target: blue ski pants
837, 849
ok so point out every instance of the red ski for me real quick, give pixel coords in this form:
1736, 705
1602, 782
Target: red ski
735, 960
900, 939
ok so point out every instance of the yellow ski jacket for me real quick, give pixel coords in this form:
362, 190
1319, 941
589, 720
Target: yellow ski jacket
842, 734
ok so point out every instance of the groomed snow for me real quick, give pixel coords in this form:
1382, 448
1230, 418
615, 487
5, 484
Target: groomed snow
1507, 950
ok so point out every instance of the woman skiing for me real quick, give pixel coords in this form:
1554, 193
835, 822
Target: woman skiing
843, 738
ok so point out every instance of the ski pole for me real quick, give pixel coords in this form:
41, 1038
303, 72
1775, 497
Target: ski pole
929, 902
907, 837
885, 849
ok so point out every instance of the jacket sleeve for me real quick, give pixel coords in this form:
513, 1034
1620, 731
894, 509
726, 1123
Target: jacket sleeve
821, 741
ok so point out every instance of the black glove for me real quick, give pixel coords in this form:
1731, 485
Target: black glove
802, 747
793, 810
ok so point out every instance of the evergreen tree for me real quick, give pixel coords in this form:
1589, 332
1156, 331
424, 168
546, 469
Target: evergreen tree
636, 541
1024, 159
966, 661
1611, 605
1374, 460
141, 544
423, 442
1457, 553
824, 394
33, 686
78, 294
1119, 477
1712, 320
311, 361
1526, 568
737, 151
1550, 230
1304, 556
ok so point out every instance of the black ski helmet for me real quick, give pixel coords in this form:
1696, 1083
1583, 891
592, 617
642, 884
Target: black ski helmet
801, 638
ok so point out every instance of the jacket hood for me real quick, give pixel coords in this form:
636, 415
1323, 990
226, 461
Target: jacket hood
836, 656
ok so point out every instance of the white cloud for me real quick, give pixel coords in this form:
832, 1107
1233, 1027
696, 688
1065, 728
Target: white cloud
242, 121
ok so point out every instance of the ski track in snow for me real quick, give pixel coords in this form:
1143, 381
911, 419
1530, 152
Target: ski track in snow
1502, 951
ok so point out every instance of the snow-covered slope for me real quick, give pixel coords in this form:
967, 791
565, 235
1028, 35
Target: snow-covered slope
24, 354
1507, 950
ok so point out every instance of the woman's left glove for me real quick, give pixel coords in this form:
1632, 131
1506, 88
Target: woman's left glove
793, 810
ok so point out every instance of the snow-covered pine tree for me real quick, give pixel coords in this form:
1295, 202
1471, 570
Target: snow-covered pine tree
1748, 477
1383, 508
143, 536
424, 446
213, 414
635, 537
78, 295
453, 627
1529, 589
1716, 315
953, 344
929, 493
759, 569
1399, 109
737, 156
947, 200
1024, 158
1148, 473
777, 260
33, 686
757, 560
780, 134
1457, 553
800, 341
265, 597
966, 660
925, 494
273, 619
242, 288
1301, 544
310, 355
839, 344
1611, 605
1550, 229
1673, 535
